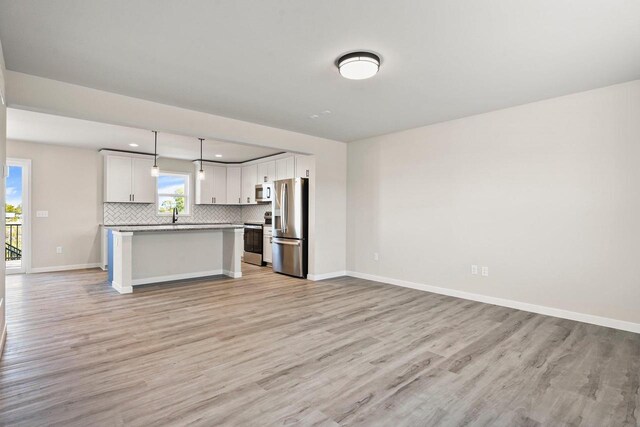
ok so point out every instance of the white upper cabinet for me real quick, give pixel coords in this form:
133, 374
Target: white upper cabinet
266, 172
249, 180
204, 187
219, 185
285, 168
304, 166
212, 190
144, 185
234, 185
117, 179
129, 180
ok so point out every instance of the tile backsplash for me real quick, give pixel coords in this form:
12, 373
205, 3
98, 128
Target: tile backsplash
255, 213
137, 213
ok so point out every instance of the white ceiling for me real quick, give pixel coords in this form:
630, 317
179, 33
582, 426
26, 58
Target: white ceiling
50, 129
272, 61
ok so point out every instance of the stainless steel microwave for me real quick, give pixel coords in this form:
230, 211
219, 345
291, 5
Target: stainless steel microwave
264, 192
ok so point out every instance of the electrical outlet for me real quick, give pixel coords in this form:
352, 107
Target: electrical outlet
42, 214
485, 271
375, 256
474, 269
59, 249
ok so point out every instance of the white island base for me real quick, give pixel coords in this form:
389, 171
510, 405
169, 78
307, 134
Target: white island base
142, 255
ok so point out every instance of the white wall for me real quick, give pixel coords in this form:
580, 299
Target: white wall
66, 182
547, 195
328, 194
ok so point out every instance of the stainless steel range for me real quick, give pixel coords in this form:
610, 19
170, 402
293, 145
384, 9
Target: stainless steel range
253, 243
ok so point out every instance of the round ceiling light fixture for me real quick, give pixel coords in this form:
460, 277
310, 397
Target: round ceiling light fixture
358, 65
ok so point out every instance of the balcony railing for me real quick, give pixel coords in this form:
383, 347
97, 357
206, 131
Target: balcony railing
13, 241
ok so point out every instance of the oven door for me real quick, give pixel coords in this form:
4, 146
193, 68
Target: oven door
253, 244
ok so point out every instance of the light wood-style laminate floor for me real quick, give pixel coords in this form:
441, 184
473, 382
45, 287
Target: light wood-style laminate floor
271, 350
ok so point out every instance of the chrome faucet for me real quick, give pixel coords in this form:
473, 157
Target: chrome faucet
174, 217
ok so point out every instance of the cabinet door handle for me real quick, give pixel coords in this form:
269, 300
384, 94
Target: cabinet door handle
247, 200
133, 197
214, 200
129, 197
239, 200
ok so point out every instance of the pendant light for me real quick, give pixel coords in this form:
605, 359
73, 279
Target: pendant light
201, 175
155, 170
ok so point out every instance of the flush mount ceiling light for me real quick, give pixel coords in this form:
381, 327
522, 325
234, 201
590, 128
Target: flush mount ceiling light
201, 175
155, 170
218, 155
133, 145
358, 65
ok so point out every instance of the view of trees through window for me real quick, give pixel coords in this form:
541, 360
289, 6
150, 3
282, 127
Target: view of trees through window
173, 191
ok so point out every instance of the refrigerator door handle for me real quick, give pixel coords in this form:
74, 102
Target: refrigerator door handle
286, 242
279, 203
285, 207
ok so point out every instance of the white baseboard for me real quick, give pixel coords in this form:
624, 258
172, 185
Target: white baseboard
323, 276
121, 289
540, 309
232, 274
64, 267
172, 277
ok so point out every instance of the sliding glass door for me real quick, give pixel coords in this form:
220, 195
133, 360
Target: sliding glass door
16, 215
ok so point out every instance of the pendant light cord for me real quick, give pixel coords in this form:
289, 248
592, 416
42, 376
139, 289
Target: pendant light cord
155, 148
201, 139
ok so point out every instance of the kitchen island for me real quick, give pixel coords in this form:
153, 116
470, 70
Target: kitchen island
143, 254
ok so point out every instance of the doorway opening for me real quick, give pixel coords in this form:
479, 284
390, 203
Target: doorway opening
16, 253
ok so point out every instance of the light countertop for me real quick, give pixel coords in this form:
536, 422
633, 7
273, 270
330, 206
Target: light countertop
171, 227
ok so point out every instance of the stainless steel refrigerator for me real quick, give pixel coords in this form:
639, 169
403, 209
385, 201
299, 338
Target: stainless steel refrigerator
290, 241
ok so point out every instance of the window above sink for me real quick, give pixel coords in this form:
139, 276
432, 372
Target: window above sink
173, 191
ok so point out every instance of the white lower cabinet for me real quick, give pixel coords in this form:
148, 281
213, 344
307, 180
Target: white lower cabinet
266, 246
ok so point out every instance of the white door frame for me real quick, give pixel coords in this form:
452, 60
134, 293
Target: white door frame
26, 213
